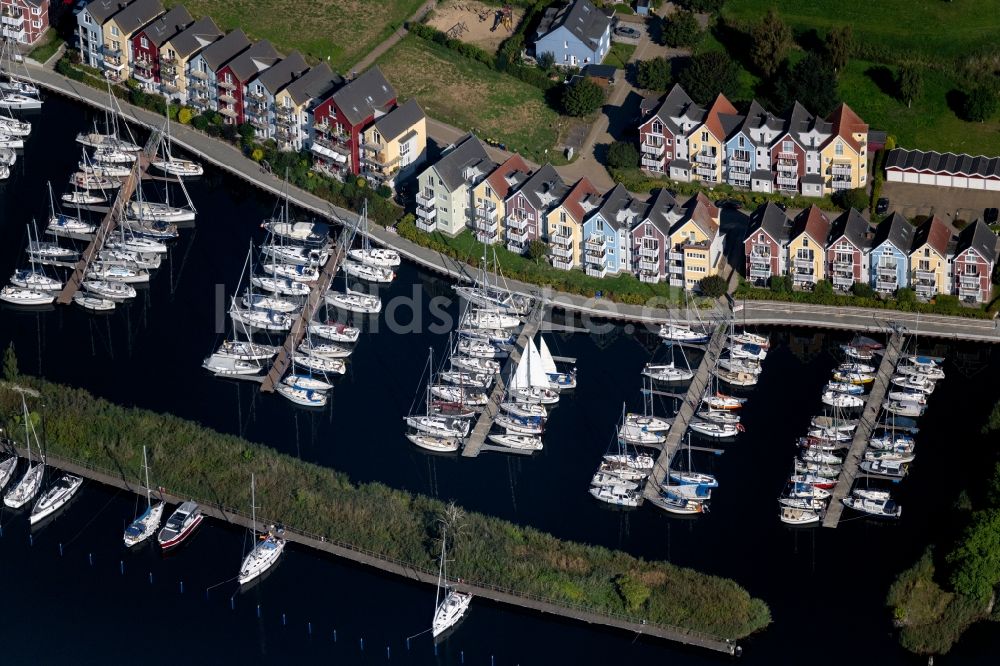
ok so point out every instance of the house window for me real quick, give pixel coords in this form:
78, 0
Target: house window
805, 242
144, 42
86, 18
657, 127
927, 252
838, 149
565, 45
786, 147
572, 60
741, 142
489, 190
760, 238
36, 24
114, 31
704, 136
971, 269
376, 137
562, 216
600, 226
36, 11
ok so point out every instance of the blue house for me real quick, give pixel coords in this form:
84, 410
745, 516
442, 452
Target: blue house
577, 34
606, 233
889, 266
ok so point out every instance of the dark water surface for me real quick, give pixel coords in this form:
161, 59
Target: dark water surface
95, 603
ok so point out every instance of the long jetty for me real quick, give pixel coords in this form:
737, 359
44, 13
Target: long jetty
477, 438
215, 510
284, 358
111, 219
684, 415
863, 433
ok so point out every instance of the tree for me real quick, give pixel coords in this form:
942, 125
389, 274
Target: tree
780, 284
703, 6
976, 559
769, 43
713, 286
681, 29
995, 276
823, 289
537, 250
909, 81
582, 98
856, 198
623, 155
184, 115
710, 74
838, 46
812, 82
981, 103
654, 74
547, 60
862, 290
10, 371
634, 592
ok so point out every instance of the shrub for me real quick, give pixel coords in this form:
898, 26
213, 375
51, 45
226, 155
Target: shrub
200, 122
257, 154
623, 155
184, 115
981, 103
547, 60
976, 560
632, 591
848, 199
780, 284
863, 290
681, 29
713, 286
710, 74
654, 74
582, 98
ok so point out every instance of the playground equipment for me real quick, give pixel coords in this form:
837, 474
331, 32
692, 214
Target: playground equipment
456, 31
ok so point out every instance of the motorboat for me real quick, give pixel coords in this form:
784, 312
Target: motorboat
639, 436
180, 526
842, 400
886, 508
892, 469
908, 396
321, 364
246, 350
860, 378
324, 349
306, 382
368, 272
295, 254
35, 280
914, 383
335, 332
794, 516
280, 285
480, 349
303, 397
667, 372
25, 297
747, 351
295, 272
114, 291
720, 401
607, 479
519, 426
55, 498
452, 393
869, 493
716, 430
93, 303
844, 387
434, 443
472, 364
268, 302
354, 301
522, 442
647, 423
375, 256
635, 461
228, 366
615, 495
676, 333
491, 319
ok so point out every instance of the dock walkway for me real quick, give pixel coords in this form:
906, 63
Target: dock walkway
867, 423
474, 445
686, 412
301, 325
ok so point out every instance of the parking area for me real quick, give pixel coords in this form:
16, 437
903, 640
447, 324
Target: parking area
948, 203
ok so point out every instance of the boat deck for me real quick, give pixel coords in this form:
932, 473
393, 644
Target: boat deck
867, 423
477, 438
692, 399
284, 359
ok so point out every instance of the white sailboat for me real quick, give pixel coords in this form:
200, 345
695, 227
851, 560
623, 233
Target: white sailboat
452, 607
428, 423
494, 294
368, 272
246, 350
55, 497
171, 165
26, 489
25, 297
147, 523
530, 383
560, 381
372, 256
267, 547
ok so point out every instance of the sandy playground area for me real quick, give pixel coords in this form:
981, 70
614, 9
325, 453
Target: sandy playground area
475, 22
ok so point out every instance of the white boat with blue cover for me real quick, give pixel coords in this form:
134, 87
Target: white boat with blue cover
148, 522
559, 381
303, 397
518, 425
306, 382
844, 387
267, 548
296, 272
693, 479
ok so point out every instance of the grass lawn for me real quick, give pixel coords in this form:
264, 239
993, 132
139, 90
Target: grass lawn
467, 94
929, 125
619, 54
933, 28
340, 31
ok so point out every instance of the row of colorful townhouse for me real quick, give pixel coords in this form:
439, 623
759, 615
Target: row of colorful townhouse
353, 128
795, 154
24, 21
660, 240
894, 254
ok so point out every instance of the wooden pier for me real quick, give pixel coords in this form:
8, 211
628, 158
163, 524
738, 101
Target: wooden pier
111, 219
477, 438
692, 400
863, 433
316, 295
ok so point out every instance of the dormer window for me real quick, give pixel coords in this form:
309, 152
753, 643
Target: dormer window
144, 42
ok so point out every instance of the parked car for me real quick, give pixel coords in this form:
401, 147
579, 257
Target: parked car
627, 31
990, 215
882, 206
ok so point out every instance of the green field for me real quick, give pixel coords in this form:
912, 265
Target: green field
465, 93
933, 29
341, 32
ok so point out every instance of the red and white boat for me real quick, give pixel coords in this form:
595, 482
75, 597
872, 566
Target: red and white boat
813, 480
720, 401
181, 524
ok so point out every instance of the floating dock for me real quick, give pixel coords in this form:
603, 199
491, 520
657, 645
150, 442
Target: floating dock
867, 423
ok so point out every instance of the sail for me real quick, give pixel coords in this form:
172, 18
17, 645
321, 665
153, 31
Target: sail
520, 379
536, 373
548, 364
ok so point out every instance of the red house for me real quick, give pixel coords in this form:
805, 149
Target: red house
339, 120
24, 21
651, 237
764, 244
788, 156
527, 208
975, 256
661, 125
147, 42
234, 76
847, 249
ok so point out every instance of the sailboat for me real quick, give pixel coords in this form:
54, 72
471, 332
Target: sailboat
302, 396
445, 427
267, 548
13, 126
110, 140
671, 332
483, 318
146, 524
624, 457
354, 301
20, 84
530, 383
31, 482
690, 477
452, 607
33, 278
63, 225
55, 497
368, 255
494, 295
25, 297
171, 165
560, 381
368, 272
149, 212
7, 468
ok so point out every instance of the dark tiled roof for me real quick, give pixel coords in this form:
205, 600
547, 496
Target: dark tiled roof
317, 82
468, 153
196, 37
677, 104
102, 10
277, 77
619, 209
659, 211
980, 238
138, 14
365, 95
813, 179
170, 24
399, 120
600, 71
771, 220
935, 233
943, 163
580, 17
852, 226
895, 229
545, 189
224, 50
253, 61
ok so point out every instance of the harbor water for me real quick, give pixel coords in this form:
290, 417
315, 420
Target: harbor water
73, 593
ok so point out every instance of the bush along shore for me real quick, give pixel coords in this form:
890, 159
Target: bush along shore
190, 460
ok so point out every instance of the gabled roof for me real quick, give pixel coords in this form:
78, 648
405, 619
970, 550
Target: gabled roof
253, 61
168, 25
218, 54
200, 35
756, 118
509, 175
544, 190
845, 123
102, 10
468, 153
850, 225
399, 120
277, 77
365, 95
895, 229
799, 121
576, 202
661, 212
318, 81
713, 120
580, 17
943, 163
935, 233
812, 222
137, 14
980, 238
703, 213
770, 219
619, 209
675, 105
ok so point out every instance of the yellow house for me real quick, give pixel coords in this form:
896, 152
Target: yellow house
565, 224
696, 242
929, 259
177, 51
394, 145
807, 247
707, 142
489, 195
292, 105
118, 32
845, 155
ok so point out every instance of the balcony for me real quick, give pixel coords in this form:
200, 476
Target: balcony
227, 85
649, 265
760, 273
259, 123
426, 224
487, 237
649, 277
838, 184
596, 271
517, 222
226, 111
13, 18
517, 247
786, 183
788, 157
425, 200
331, 147
707, 158
675, 268
166, 58
426, 213
520, 236
562, 252
595, 244
562, 263
143, 75
651, 163
487, 211
803, 278
227, 98
114, 63
16, 34
804, 262
654, 150
195, 84
739, 179
925, 276
741, 160
486, 225
706, 172
925, 290
649, 252
254, 95
887, 271
674, 255
198, 101
883, 283
843, 281
969, 281
843, 170
676, 282
561, 241
198, 75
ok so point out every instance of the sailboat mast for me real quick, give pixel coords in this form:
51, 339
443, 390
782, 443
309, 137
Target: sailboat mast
253, 505
442, 569
145, 466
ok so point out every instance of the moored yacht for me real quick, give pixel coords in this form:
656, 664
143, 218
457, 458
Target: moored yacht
180, 526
